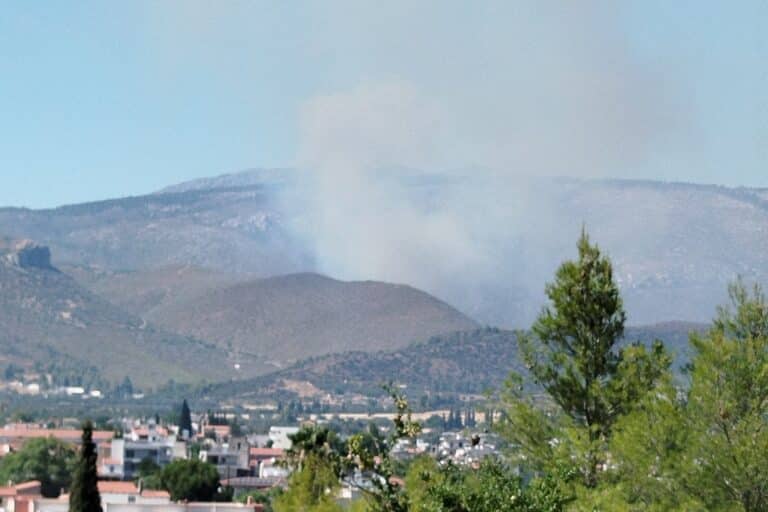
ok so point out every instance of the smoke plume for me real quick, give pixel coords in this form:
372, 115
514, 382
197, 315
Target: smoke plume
436, 178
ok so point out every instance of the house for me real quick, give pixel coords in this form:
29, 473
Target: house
19, 433
256, 456
128, 492
115, 497
18, 498
230, 458
216, 432
279, 436
264, 462
121, 460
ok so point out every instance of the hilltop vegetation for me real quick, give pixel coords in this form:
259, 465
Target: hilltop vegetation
445, 368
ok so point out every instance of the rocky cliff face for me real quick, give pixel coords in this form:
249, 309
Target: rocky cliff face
28, 254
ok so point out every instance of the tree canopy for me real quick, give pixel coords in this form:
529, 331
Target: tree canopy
48, 460
188, 479
573, 352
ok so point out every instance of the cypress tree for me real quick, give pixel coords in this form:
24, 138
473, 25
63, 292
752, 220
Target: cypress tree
185, 421
84, 493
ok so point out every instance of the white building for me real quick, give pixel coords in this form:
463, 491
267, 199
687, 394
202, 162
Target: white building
145, 443
279, 437
230, 458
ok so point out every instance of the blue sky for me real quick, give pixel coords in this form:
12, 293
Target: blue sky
105, 99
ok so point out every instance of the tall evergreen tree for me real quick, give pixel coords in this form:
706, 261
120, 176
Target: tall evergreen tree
727, 406
572, 353
84, 493
185, 420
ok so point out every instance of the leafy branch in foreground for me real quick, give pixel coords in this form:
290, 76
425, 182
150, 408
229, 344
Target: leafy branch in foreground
372, 454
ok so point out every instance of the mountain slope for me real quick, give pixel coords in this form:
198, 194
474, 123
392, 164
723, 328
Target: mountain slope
301, 315
229, 229
451, 365
142, 292
674, 246
49, 322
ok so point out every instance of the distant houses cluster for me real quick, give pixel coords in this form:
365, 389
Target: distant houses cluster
244, 463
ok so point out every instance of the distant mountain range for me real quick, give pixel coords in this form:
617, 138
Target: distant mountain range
189, 282
675, 246
236, 230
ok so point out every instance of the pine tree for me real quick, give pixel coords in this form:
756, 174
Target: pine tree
572, 353
185, 421
727, 406
84, 493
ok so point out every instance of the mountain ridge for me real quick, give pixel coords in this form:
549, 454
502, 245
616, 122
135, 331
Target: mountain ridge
675, 246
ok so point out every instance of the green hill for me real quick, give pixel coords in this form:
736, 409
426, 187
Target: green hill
452, 365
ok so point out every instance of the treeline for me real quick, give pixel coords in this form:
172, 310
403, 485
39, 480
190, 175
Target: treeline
614, 428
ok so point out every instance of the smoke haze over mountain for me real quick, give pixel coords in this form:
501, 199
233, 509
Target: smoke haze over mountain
488, 112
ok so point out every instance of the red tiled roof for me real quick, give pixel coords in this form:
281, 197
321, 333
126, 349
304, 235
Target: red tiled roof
24, 486
109, 487
155, 494
145, 431
266, 452
27, 485
64, 434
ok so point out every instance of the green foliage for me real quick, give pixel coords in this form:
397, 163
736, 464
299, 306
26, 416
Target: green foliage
728, 406
188, 479
320, 442
490, 488
149, 473
84, 493
320, 460
648, 452
573, 353
706, 450
265, 498
371, 454
312, 486
45, 459
185, 420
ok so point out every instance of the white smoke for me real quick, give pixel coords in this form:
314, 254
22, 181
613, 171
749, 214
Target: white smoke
561, 98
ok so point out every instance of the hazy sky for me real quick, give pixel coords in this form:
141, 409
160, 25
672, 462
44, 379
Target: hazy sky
104, 99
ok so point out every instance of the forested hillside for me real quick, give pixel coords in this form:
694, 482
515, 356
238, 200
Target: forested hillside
460, 363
